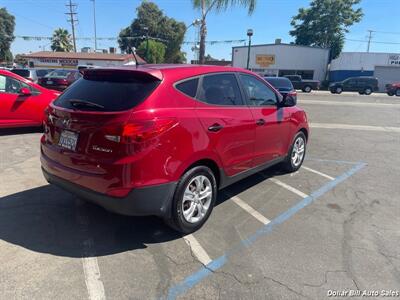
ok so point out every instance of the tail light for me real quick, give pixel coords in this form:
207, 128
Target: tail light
62, 81
138, 131
292, 93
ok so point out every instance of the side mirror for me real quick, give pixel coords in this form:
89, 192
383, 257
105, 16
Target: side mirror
289, 99
25, 92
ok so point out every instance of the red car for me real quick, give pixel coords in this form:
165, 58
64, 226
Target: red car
163, 139
59, 79
393, 89
22, 102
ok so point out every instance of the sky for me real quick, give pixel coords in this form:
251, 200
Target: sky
270, 20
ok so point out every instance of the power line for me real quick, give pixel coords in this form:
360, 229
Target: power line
72, 13
373, 42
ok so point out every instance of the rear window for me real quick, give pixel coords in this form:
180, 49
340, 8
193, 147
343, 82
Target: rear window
59, 73
21, 72
280, 83
108, 94
188, 87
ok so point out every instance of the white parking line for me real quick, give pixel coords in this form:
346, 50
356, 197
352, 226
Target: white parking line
250, 210
318, 172
197, 249
348, 103
288, 187
355, 127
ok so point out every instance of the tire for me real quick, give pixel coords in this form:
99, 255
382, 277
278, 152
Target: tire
338, 90
361, 93
289, 164
333, 91
397, 93
307, 89
390, 93
183, 218
367, 91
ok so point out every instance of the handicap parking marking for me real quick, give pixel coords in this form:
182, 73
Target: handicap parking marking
318, 172
207, 270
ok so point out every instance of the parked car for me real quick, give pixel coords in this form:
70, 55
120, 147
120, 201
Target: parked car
303, 84
59, 79
30, 74
43, 72
163, 139
393, 89
22, 102
283, 85
362, 85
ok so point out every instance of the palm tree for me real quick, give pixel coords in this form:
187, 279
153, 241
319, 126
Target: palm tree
206, 6
61, 41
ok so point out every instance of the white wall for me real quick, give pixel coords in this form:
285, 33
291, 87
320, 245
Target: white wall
101, 63
360, 61
287, 57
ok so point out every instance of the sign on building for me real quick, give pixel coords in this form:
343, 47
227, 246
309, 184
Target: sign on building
265, 60
394, 60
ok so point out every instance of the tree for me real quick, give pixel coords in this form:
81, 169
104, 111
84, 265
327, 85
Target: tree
61, 41
151, 22
208, 5
325, 24
155, 51
7, 25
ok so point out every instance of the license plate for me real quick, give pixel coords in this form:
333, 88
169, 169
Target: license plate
49, 82
68, 140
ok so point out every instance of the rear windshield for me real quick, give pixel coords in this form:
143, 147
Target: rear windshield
21, 72
59, 73
109, 94
280, 82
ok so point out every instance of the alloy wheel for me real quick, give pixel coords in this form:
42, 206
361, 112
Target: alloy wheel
298, 151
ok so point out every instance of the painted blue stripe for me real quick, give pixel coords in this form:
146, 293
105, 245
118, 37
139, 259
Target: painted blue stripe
216, 264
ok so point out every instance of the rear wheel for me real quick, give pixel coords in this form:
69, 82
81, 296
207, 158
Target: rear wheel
390, 93
338, 90
397, 93
361, 93
194, 200
297, 152
307, 89
367, 91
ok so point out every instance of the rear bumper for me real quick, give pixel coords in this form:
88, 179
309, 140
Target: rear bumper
153, 200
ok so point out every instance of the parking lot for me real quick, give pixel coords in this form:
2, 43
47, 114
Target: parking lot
331, 226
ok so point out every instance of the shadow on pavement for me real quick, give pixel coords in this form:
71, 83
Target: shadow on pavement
49, 220
22, 130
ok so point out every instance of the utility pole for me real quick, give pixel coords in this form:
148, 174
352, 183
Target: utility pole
94, 23
72, 13
369, 39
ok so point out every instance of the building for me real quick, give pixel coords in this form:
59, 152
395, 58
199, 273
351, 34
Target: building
70, 60
223, 63
283, 59
384, 66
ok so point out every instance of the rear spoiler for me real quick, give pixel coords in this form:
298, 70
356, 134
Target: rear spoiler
123, 72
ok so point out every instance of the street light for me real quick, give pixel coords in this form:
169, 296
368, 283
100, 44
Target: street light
94, 24
249, 34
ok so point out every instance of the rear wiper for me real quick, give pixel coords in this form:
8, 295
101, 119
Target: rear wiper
77, 102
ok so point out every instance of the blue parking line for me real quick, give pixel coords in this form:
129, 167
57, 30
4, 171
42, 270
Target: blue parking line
216, 264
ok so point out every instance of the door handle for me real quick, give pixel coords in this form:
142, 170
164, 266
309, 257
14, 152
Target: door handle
215, 127
260, 122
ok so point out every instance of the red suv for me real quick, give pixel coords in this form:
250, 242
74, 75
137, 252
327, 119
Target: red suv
163, 139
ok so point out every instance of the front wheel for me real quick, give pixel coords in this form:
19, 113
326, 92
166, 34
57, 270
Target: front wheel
397, 93
368, 91
338, 90
194, 200
297, 152
307, 89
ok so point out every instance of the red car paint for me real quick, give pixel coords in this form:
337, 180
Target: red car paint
156, 141
18, 109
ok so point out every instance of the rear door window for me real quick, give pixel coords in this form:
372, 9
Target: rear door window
107, 93
258, 93
220, 89
188, 87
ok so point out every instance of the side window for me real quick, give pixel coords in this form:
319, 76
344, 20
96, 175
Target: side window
257, 92
10, 85
188, 87
2, 84
220, 89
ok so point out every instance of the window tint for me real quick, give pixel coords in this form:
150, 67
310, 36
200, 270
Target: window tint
10, 85
257, 92
220, 89
280, 82
188, 87
113, 94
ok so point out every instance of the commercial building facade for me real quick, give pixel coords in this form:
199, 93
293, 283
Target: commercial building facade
71, 60
283, 59
384, 66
